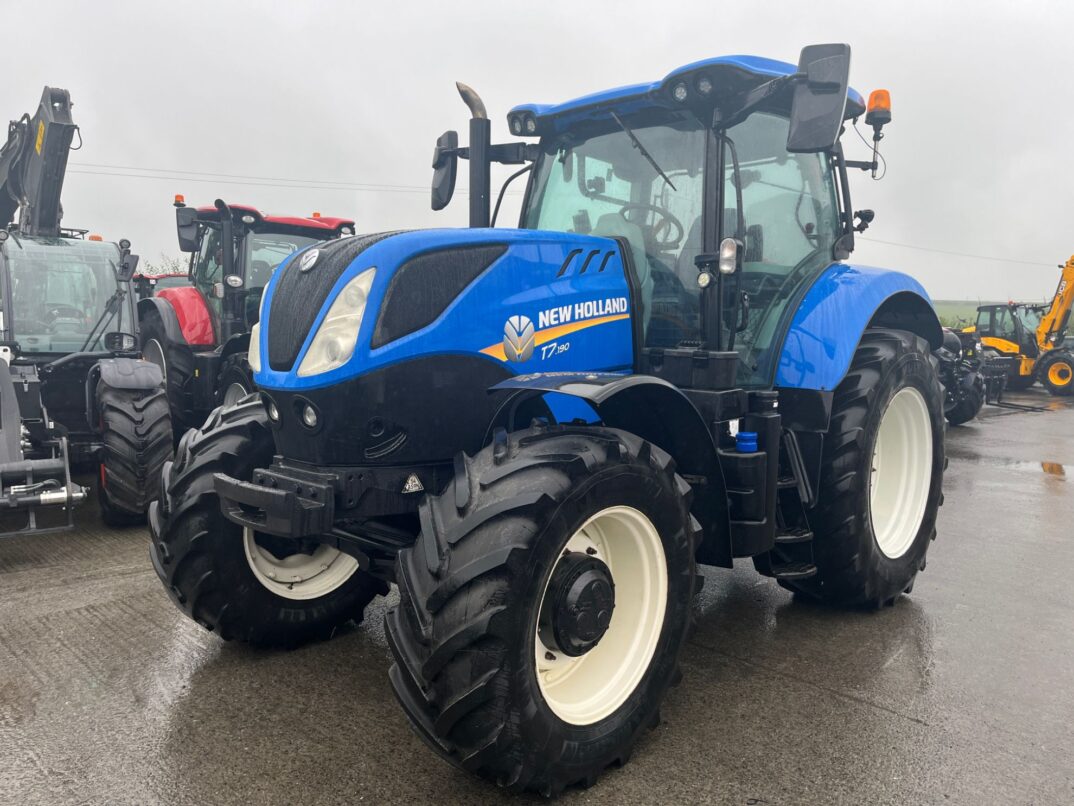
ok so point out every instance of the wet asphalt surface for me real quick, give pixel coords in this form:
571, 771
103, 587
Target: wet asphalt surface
960, 693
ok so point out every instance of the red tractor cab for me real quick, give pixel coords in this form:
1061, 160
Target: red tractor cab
199, 331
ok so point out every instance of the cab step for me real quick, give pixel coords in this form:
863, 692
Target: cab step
789, 571
792, 536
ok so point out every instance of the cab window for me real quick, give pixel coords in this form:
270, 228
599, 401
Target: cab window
208, 269
788, 222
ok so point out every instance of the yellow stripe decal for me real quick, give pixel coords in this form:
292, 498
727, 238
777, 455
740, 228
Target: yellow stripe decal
553, 333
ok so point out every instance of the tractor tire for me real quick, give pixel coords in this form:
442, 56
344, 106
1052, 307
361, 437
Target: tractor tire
485, 605
236, 380
176, 363
137, 435
1056, 373
881, 474
220, 575
967, 408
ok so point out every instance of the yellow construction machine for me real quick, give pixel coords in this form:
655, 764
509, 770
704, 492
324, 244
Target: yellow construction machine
1035, 335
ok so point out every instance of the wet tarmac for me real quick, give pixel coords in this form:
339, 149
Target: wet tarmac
960, 693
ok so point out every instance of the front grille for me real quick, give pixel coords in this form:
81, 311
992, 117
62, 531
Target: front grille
299, 296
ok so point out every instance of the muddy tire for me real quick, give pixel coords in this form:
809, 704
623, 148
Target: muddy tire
236, 380
1056, 373
881, 474
176, 363
137, 438
481, 626
218, 574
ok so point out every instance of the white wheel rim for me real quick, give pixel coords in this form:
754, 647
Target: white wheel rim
588, 688
154, 354
234, 393
901, 472
300, 576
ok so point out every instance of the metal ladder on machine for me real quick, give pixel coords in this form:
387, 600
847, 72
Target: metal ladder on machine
791, 557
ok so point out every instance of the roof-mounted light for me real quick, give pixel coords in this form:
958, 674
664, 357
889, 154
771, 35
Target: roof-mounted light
180, 200
680, 92
95, 237
248, 219
878, 112
514, 123
316, 214
704, 85
531, 125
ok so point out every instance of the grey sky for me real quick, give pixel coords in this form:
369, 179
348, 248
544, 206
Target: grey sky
355, 92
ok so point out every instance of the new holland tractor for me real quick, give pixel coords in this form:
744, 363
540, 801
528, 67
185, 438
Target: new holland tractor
540, 433
198, 332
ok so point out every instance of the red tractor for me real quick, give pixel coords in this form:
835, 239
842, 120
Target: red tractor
198, 333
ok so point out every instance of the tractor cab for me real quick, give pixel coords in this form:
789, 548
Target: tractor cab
1009, 329
198, 332
230, 282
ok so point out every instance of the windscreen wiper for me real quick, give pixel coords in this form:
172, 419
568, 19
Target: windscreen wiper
644, 152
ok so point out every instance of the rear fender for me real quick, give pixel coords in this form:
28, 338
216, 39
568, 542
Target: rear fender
656, 411
152, 306
194, 318
828, 325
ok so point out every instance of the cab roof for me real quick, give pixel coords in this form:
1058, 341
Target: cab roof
320, 223
728, 75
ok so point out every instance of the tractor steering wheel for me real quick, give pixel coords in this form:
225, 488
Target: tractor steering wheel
61, 311
667, 232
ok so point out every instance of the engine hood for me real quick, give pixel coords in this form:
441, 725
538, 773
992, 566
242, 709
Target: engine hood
520, 299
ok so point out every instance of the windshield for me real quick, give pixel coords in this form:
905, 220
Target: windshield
267, 250
607, 185
59, 288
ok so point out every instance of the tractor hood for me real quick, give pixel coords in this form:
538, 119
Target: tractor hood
513, 299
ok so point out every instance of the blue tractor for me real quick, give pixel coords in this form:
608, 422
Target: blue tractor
538, 434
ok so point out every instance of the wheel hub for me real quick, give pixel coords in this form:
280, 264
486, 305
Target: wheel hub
578, 606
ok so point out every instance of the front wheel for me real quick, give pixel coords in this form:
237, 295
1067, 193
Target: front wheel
136, 434
245, 585
543, 607
236, 380
970, 400
1057, 373
881, 474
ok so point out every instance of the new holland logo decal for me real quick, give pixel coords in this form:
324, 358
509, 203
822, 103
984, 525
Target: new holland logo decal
520, 338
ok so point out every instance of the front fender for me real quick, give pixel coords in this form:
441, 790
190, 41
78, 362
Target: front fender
657, 411
842, 302
131, 374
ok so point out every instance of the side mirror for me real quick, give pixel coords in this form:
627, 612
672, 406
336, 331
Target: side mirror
445, 166
126, 268
820, 98
117, 342
186, 225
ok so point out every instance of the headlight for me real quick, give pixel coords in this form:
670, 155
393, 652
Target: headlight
253, 352
333, 344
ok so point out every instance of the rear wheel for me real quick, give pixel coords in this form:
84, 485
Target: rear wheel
137, 436
1057, 373
176, 363
543, 607
881, 474
245, 585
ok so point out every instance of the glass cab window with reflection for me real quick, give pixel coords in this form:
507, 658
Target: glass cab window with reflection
784, 210
606, 186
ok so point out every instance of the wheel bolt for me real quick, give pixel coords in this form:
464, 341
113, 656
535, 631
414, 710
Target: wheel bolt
549, 656
590, 551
